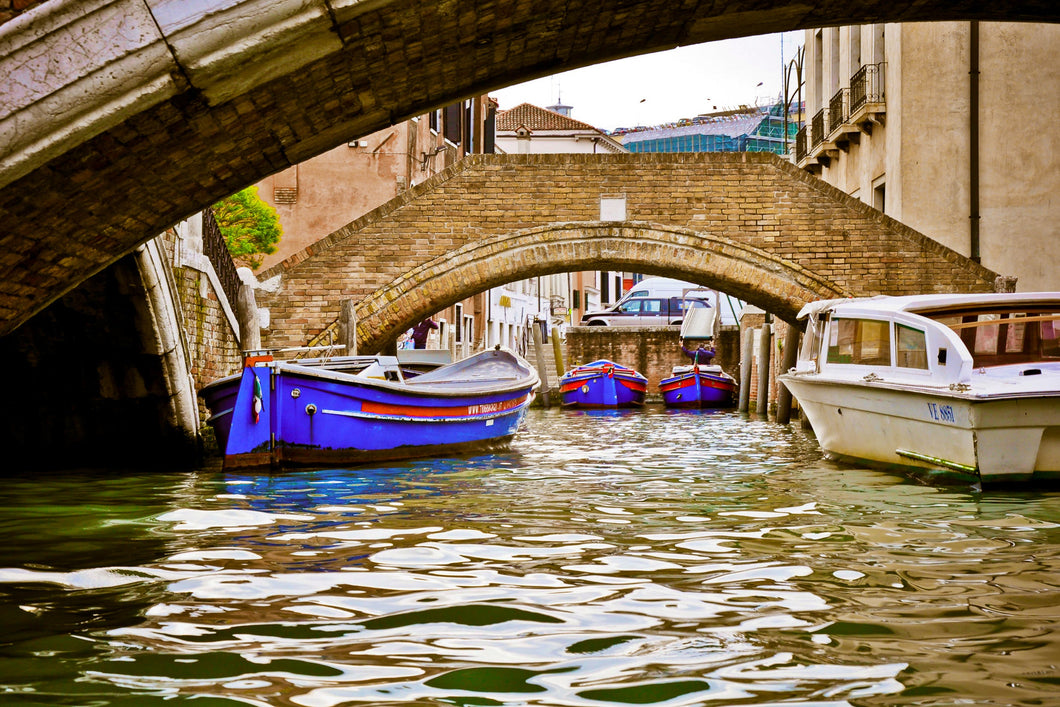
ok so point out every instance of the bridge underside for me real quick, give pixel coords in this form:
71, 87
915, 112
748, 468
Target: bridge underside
745, 272
88, 382
159, 109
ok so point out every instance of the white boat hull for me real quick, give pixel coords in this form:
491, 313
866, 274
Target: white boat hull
997, 439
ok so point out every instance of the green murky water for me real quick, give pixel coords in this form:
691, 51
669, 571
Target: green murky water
644, 558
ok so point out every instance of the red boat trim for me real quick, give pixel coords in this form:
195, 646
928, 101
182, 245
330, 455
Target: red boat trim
415, 411
678, 384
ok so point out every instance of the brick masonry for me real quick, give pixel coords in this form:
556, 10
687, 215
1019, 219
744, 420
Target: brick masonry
749, 224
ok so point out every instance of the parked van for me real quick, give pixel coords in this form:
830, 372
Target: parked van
644, 311
658, 301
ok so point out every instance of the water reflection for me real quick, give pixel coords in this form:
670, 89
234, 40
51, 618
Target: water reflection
632, 558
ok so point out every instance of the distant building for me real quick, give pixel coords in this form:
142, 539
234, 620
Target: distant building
931, 123
560, 107
528, 129
745, 129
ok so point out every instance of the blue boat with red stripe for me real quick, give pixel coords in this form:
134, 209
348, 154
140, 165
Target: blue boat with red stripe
366, 409
698, 386
602, 384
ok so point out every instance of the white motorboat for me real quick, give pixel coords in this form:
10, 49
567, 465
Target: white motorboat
965, 384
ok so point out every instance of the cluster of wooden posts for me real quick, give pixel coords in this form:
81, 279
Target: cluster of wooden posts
790, 352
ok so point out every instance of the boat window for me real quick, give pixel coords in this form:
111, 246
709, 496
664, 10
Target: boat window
862, 341
910, 347
1050, 335
811, 342
997, 338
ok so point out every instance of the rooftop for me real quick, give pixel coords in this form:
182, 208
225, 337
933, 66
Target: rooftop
537, 119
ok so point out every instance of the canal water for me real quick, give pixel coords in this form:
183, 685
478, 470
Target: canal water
643, 558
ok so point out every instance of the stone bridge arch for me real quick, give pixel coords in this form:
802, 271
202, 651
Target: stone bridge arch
118, 118
750, 224
752, 274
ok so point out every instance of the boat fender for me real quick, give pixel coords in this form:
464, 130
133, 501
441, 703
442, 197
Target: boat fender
257, 404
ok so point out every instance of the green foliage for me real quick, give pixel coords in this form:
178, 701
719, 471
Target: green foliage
250, 226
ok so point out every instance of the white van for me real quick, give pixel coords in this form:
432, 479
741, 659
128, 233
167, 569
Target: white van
657, 300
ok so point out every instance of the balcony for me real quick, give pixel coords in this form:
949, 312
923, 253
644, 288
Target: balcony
822, 149
840, 130
867, 97
800, 145
817, 127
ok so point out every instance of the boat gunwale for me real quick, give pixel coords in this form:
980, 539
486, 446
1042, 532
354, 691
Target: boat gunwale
942, 389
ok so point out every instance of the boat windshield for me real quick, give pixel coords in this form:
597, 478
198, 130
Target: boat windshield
998, 337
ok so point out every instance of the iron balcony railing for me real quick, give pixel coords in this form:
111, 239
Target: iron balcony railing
818, 126
800, 144
866, 86
837, 108
213, 245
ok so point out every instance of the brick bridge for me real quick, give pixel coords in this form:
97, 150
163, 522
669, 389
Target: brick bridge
120, 117
750, 224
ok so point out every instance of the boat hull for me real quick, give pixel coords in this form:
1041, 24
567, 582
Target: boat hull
995, 439
313, 417
698, 389
602, 384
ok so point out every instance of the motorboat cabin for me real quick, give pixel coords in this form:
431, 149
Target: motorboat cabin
967, 384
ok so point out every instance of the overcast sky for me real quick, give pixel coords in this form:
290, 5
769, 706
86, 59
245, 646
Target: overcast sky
666, 86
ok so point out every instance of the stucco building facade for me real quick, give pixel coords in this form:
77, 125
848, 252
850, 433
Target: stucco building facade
939, 125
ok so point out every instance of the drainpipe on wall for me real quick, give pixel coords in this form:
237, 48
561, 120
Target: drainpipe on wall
973, 138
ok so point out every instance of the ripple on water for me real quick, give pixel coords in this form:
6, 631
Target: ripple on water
607, 559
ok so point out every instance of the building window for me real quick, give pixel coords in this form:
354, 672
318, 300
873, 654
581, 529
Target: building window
879, 194
817, 85
452, 126
458, 318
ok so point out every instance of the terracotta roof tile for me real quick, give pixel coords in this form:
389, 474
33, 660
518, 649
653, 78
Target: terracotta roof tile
536, 118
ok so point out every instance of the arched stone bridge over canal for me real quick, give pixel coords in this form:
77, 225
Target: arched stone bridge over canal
750, 224
120, 117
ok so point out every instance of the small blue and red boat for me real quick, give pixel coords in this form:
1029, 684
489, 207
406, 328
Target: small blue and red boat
362, 409
602, 384
698, 386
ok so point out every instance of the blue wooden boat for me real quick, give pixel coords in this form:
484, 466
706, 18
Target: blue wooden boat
698, 386
354, 410
602, 384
